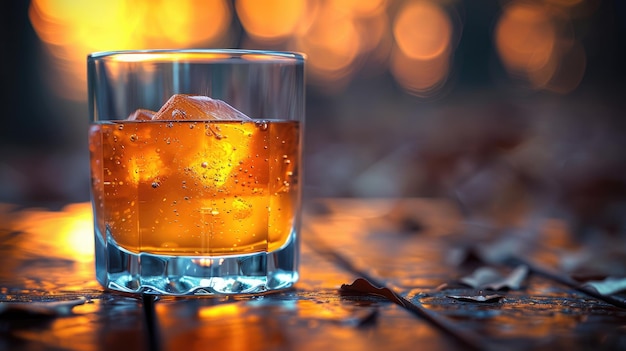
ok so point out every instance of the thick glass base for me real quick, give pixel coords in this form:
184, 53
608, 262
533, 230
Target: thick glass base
121, 270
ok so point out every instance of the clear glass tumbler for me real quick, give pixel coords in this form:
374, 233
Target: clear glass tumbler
191, 196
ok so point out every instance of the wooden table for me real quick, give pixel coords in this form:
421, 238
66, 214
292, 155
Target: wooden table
416, 248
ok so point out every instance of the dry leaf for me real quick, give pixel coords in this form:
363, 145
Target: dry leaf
608, 286
489, 278
363, 286
481, 277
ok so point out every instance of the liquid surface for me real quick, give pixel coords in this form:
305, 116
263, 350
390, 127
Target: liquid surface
195, 188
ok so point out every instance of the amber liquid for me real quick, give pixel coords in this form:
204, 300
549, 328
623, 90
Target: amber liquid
207, 188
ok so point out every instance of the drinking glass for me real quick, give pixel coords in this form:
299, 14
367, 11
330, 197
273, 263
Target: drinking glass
196, 169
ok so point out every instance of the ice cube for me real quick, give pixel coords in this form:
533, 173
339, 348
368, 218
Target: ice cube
197, 107
141, 115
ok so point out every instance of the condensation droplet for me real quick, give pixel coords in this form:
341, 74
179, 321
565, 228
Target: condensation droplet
204, 165
133, 137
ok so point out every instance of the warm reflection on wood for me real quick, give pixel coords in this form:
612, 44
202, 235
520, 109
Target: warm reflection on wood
407, 244
67, 234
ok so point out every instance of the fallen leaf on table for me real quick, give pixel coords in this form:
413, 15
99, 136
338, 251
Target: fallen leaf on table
503, 249
477, 298
363, 286
481, 277
494, 252
489, 278
608, 286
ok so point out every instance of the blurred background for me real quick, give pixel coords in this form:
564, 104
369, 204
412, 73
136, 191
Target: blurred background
511, 108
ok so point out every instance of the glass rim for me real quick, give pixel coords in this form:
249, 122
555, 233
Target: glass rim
197, 55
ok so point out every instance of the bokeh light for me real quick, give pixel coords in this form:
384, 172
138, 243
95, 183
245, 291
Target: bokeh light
270, 19
525, 37
332, 44
360, 8
415, 41
62, 234
422, 30
537, 45
72, 29
423, 33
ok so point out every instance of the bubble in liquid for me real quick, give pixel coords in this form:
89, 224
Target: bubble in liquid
133, 137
